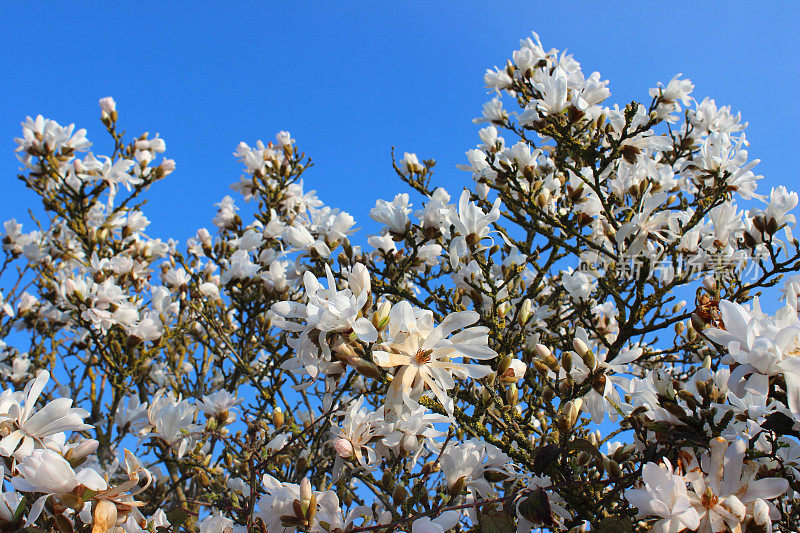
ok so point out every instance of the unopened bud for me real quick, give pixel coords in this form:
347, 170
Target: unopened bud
565, 386
772, 226
614, 469
305, 492
512, 395
278, 418
541, 367
548, 394
542, 351
399, 494
551, 362
104, 517
575, 410
543, 198
580, 346
525, 311
504, 365
566, 361
458, 486
760, 223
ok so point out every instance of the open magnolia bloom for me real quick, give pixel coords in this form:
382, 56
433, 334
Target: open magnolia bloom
761, 346
45, 471
358, 429
664, 494
423, 352
29, 428
725, 491
327, 310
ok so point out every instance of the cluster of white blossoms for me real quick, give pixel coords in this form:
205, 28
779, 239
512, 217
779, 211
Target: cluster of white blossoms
576, 343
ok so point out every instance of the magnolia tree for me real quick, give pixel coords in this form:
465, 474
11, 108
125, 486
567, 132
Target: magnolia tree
575, 343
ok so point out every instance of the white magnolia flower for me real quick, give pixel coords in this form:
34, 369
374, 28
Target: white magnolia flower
352, 438
412, 430
216, 523
171, 419
725, 491
664, 495
394, 214
473, 466
761, 346
29, 428
45, 471
444, 522
424, 352
278, 501
327, 310
219, 402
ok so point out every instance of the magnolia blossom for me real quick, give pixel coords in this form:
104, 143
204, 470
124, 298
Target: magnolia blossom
467, 465
171, 419
30, 428
725, 491
277, 503
45, 471
664, 495
327, 310
216, 523
762, 346
394, 214
412, 430
352, 437
440, 524
219, 402
424, 352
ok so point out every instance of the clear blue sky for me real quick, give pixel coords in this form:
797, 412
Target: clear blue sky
352, 79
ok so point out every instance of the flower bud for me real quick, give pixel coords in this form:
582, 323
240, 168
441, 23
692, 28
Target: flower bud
278, 418
566, 361
548, 394
525, 311
542, 351
343, 447
76, 454
575, 410
305, 491
458, 486
512, 395
697, 322
504, 365
760, 223
614, 469
108, 109
104, 517
399, 494
580, 347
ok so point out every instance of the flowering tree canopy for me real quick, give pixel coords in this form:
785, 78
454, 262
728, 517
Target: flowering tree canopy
574, 343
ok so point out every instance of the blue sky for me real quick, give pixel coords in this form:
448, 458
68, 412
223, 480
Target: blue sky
351, 80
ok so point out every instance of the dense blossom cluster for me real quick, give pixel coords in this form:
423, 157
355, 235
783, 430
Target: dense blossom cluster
458, 371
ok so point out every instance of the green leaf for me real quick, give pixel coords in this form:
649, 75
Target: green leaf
585, 446
615, 524
177, 517
535, 508
23, 504
496, 521
544, 457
